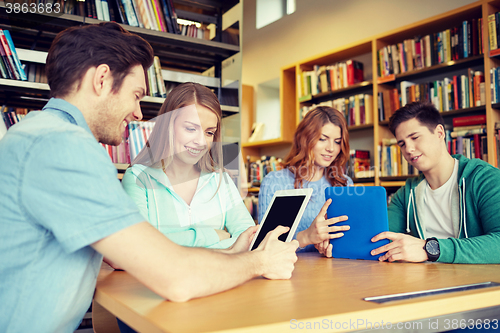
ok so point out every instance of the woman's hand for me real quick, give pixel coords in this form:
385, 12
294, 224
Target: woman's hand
322, 229
324, 248
243, 242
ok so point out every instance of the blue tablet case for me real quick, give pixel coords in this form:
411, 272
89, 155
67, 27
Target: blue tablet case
366, 208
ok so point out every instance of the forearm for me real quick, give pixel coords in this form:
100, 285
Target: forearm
216, 271
303, 238
174, 272
475, 250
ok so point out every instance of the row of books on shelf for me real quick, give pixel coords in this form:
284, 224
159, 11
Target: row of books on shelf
118, 154
495, 84
139, 132
451, 44
194, 30
252, 204
474, 146
155, 80
392, 162
359, 165
12, 68
468, 137
138, 135
459, 92
257, 170
36, 73
356, 109
329, 78
159, 15
10, 65
10, 116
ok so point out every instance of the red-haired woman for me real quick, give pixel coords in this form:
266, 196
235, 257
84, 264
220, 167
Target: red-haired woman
317, 160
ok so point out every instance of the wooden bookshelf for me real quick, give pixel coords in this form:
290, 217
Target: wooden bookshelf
351, 90
183, 58
150, 105
291, 101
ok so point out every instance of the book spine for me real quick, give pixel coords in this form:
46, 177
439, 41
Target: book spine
137, 13
350, 72
477, 148
167, 16
173, 15
159, 77
129, 13
380, 107
19, 66
98, 7
471, 88
9, 59
469, 120
88, 8
161, 16
94, 10
3, 70
456, 134
497, 28
105, 10
466, 47
474, 39
156, 15
141, 12
481, 36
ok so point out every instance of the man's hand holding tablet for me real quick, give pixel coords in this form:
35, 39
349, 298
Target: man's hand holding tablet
277, 257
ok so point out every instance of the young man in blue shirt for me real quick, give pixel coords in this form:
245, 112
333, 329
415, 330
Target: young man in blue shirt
62, 206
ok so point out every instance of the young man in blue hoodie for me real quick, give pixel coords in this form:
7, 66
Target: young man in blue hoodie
450, 213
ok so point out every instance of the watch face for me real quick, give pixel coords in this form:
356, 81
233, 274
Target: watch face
432, 247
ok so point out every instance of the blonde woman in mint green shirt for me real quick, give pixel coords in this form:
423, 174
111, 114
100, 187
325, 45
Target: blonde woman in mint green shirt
177, 180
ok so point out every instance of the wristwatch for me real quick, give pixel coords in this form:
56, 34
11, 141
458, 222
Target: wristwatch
432, 249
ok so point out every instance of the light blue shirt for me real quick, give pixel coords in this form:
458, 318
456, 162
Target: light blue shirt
284, 180
59, 193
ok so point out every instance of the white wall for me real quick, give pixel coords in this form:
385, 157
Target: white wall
267, 108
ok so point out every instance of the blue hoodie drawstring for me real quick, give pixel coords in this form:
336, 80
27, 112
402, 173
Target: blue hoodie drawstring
463, 202
408, 212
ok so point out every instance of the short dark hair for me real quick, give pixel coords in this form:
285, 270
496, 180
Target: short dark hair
77, 49
424, 112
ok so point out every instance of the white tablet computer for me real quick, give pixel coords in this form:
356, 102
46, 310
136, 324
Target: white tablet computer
286, 209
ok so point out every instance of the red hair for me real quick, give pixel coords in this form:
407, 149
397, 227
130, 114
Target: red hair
308, 133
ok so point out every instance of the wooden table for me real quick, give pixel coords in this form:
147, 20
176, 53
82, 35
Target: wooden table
324, 292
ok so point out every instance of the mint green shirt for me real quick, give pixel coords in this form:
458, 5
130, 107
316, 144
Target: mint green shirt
194, 224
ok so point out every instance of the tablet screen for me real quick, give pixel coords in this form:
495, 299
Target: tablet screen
283, 212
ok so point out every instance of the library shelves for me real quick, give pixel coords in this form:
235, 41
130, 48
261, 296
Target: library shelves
177, 53
366, 51
183, 58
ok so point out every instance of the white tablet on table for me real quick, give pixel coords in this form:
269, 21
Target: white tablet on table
286, 209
